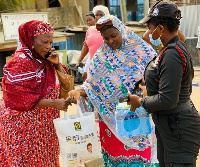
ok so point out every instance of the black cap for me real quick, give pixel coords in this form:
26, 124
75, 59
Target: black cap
162, 8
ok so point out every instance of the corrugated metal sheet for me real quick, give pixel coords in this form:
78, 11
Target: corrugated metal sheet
61, 45
76, 42
191, 43
190, 20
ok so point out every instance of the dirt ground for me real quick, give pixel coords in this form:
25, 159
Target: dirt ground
195, 98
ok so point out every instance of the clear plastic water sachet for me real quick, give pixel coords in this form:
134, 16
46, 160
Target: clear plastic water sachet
129, 123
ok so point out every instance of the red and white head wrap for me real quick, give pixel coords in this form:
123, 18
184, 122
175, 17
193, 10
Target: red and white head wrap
43, 28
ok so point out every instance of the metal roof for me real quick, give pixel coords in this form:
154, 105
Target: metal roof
10, 45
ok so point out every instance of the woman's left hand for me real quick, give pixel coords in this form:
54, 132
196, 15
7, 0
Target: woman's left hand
54, 57
134, 101
74, 94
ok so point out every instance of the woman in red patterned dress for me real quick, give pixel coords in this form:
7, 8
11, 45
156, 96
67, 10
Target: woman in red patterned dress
31, 100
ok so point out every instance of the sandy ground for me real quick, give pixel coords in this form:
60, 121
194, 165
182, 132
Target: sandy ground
195, 98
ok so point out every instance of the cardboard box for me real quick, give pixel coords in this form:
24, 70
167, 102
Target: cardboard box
97, 162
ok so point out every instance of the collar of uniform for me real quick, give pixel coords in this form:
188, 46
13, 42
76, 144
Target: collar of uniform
174, 39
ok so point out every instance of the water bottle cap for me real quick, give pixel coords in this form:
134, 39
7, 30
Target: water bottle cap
127, 107
195, 84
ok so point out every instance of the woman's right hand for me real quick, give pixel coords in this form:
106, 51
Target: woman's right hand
53, 57
62, 104
84, 76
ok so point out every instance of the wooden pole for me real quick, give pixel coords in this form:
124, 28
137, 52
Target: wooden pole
123, 11
146, 7
79, 12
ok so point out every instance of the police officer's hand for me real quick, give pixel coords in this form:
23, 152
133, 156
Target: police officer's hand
134, 101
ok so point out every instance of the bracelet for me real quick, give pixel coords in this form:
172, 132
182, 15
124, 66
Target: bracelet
142, 101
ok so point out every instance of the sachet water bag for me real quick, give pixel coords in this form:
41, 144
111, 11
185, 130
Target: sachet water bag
129, 123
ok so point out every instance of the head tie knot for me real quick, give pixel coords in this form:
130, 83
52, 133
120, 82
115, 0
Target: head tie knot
104, 26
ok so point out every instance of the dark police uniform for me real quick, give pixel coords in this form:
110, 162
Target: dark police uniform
168, 81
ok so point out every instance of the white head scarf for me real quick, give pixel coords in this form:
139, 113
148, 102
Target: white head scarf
102, 8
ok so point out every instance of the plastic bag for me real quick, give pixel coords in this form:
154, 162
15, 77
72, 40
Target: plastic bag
130, 123
77, 138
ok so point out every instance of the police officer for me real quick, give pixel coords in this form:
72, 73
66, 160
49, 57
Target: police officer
168, 79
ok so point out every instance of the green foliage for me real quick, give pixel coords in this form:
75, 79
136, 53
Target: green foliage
3, 5
7, 6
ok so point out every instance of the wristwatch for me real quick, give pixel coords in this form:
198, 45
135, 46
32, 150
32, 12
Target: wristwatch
142, 102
